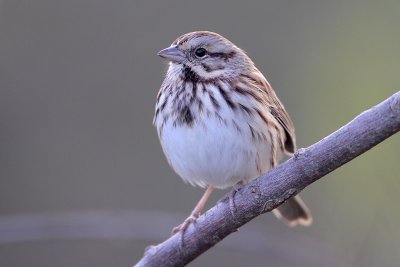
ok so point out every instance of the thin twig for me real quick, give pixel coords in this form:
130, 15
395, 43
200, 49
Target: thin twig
288, 179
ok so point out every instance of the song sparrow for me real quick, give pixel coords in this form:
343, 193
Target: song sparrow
219, 121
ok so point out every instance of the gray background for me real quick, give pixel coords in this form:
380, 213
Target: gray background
78, 81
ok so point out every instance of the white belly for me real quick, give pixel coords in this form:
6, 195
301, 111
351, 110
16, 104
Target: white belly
216, 154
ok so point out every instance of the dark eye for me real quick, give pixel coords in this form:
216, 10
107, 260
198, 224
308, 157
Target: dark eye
200, 52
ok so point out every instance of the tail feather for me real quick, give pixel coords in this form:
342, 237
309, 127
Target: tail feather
294, 212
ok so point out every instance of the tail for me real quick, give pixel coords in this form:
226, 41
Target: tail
294, 212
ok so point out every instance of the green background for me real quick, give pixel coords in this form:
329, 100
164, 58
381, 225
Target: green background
78, 81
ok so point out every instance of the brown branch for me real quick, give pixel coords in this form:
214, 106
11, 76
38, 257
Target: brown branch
272, 189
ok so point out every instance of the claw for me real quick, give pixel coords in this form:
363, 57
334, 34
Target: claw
193, 217
232, 205
183, 226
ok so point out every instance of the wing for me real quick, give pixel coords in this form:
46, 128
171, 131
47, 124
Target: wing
276, 108
280, 114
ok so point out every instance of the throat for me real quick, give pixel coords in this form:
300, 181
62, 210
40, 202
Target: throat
185, 98
189, 75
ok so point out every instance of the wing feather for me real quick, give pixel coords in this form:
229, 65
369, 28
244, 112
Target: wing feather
278, 111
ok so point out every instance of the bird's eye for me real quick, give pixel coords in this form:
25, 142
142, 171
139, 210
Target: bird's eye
200, 52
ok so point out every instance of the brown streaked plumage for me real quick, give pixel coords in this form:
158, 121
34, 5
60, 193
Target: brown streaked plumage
219, 120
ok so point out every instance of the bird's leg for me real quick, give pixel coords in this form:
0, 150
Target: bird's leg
195, 213
235, 189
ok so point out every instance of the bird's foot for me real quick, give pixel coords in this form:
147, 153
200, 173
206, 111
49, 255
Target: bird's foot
232, 205
183, 226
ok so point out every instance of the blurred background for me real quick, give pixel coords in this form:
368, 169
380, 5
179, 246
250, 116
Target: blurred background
83, 179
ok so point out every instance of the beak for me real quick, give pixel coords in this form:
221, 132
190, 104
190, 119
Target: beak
172, 53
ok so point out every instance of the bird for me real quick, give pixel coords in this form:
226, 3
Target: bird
219, 122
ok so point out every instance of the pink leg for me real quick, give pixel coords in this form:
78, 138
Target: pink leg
195, 213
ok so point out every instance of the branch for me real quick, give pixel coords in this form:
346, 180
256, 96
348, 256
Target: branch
273, 188
147, 226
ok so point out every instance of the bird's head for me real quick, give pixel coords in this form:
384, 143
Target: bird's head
208, 55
